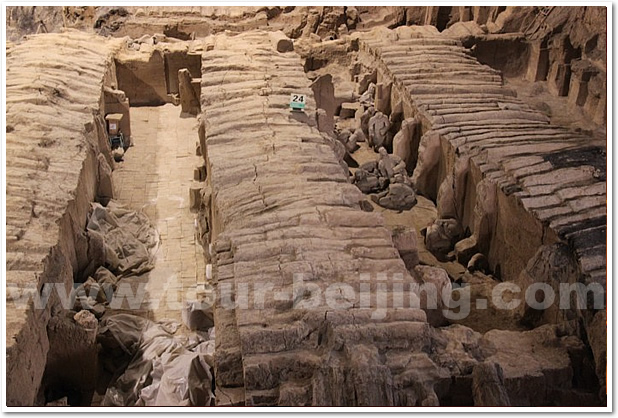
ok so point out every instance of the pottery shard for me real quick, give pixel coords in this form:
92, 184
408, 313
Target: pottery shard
86, 320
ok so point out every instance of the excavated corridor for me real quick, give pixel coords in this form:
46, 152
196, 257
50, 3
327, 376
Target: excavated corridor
154, 177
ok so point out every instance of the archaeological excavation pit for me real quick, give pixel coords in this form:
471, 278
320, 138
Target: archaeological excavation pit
306, 206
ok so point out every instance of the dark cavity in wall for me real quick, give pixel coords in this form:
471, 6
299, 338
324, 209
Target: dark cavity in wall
509, 55
444, 16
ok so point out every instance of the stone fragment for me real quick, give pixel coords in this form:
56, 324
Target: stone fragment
195, 198
596, 332
399, 196
424, 177
83, 302
437, 290
402, 142
348, 110
96, 252
198, 315
118, 154
58, 402
94, 290
383, 98
445, 201
484, 213
404, 239
105, 190
326, 122
365, 206
105, 278
532, 361
358, 136
442, 235
478, 262
365, 80
370, 166
324, 93
551, 265
189, 102
352, 17
98, 310
199, 173
86, 319
280, 42
344, 137
366, 181
489, 310
386, 164
465, 249
488, 385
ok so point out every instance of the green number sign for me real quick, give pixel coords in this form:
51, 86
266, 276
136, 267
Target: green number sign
297, 101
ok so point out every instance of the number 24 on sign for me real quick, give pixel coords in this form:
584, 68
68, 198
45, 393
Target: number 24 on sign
297, 101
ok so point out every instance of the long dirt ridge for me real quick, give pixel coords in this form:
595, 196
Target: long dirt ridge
284, 206
54, 136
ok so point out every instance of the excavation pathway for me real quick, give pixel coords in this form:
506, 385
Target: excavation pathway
155, 177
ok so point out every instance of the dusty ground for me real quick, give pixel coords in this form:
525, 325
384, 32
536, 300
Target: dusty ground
155, 177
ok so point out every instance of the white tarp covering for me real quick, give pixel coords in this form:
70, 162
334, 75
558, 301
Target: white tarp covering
131, 241
165, 370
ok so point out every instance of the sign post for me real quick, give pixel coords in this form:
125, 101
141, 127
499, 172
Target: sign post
297, 102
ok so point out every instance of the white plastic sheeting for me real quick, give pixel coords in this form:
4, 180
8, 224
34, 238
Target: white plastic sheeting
131, 241
165, 370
